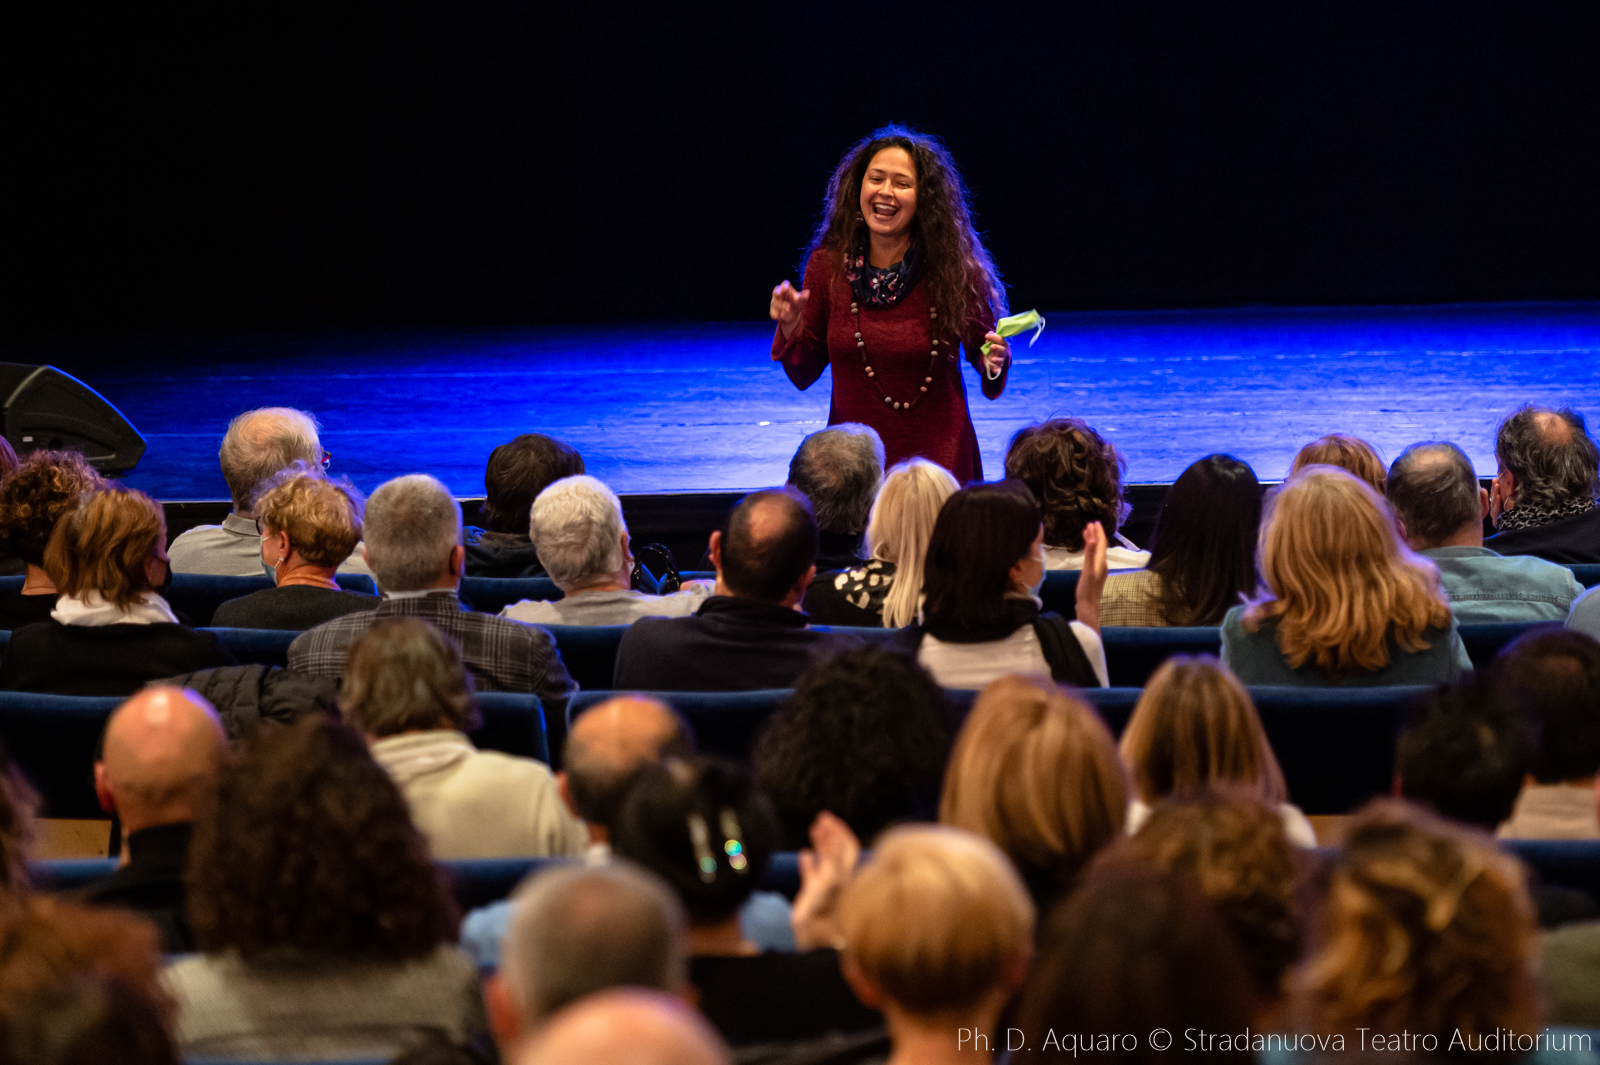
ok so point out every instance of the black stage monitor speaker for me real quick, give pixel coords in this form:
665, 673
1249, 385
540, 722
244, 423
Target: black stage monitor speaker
41, 407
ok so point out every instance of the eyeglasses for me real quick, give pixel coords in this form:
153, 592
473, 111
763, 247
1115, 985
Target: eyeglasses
327, 457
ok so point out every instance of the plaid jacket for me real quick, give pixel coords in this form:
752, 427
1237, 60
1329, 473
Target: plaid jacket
503, 656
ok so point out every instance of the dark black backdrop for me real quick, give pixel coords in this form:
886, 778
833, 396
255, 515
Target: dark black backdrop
250, 165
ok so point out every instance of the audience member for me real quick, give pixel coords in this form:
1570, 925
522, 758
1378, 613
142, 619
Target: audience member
1134, 952
19, 808
413, 529
576, 931
887, 590
865, 736
405, 689
1425, 929
1035, 770
1348, 453
1465, 749
938, 933
159, 759
1569, 974
257, 445
839, 469
111, 631
325, 929
1440, 506
1585, 616
1560, 672
627, 1027
1233, 846
517, 472
703, 828
981, 618
1196, 727
33, 497
1202, 554
1342, 601
749, 634
309, 525
1543, 500
81, 986
583, 545
1076, 475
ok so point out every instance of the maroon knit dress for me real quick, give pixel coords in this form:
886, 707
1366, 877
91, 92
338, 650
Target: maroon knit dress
897, 339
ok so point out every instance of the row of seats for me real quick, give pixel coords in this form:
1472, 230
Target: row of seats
198, 595
1336, 745
590, 652
1561, 863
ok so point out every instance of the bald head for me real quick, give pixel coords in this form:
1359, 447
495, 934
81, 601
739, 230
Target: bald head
607, 747
1549, 455
768, 546
162, 749
628, 1027
261, 442
1434, 491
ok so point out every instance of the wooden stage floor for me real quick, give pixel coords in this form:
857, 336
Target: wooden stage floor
698, 407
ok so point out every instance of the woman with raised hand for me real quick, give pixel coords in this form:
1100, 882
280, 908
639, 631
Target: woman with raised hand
896, 281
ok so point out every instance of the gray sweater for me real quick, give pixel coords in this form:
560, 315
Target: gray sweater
1254, 657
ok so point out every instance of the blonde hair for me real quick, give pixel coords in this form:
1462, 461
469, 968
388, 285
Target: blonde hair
103, 545
899, 528
1426, 927
1194, 726
1346, 452
1336, 577
1036, 771
322, 517
936, 919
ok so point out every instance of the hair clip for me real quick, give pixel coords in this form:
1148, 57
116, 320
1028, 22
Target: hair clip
732, 846
700, 837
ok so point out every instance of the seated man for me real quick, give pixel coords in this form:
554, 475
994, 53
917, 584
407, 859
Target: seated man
518, 471
162, 750
1543, 501
626, 1025
576, 931
582, 543
1585, 616
1440, 506
257, 445
749, 635
1561, 672
413, 529
840, 470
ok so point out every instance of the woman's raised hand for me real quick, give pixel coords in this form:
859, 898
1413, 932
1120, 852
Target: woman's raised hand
1092, 581
787, 307
825, 869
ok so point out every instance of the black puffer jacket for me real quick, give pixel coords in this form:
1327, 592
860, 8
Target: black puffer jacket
246, 696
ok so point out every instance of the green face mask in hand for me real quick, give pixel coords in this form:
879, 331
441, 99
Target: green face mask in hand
1018, 323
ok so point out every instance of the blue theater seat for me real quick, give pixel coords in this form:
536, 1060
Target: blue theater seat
199, 594
1588, 573
589, 651
1335, 745
513, 723
490, 595
1132, 654
1568, 863
52, 739
267, 647
1485, 641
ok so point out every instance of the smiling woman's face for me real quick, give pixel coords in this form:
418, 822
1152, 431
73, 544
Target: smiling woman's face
889, 193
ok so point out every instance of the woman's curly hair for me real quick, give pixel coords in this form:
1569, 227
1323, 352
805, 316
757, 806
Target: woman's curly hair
1426, 927
36, 494
1074, 473
309, 844
864, 736
961, 276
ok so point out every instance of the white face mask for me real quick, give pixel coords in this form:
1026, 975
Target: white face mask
1039, 557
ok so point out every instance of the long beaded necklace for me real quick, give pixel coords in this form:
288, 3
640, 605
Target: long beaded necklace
927, 379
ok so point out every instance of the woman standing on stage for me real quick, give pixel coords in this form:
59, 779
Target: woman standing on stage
895, 280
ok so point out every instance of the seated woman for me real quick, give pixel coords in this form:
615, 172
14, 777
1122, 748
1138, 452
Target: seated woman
1348, 453
325, 931
938, 932
1195, 727
405, 689
1076, 475
1036, 771
32, 499
309, 525
981, 616
1342, 600
1202, 555
111, 632
887, 591
704, 829
1425, 928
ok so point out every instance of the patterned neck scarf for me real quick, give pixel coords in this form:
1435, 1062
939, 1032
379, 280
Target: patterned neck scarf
882, 288
1529, 516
